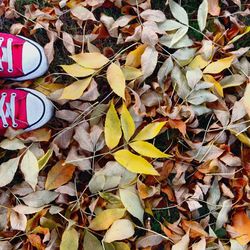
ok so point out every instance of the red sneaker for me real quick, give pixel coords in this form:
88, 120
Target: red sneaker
21, 58
24, 108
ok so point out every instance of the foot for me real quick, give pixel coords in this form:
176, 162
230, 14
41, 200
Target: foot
25, 109
21, 58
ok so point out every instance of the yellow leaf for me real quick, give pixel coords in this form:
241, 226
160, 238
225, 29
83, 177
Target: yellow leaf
77, 70
90, 60
241, 137
134, 57
134, 163
70, 240
76, 89
147, 149
121, 246
246, 99
127, 122
116, 80
150, 131
198, 62
106, 218
112, 129
44, 159
131, 73
217, 85
218, 66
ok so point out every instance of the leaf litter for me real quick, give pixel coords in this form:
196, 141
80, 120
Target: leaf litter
149, 147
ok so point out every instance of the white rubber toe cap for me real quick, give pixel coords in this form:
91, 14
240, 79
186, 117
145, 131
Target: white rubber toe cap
31, 58
39, 109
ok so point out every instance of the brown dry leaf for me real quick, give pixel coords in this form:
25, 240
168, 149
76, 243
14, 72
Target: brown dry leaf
59, 174
213, 7
241, 224
36, 241
49, 47
246, 99
82, 13
17, 221
68, 42
194, 228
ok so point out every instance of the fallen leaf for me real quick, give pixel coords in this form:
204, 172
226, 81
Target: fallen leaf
106, 218
68, 42
178, 12
82, 13
17, 221
183, 243
219, 65
75, 90
77, 70
70, 240
112, 128
134, 57
116, 80
246, 99
42, 161
8, 170
222, 217
134, 163
30, 169
213, 7
202, 15
241, 224
147, 149
149, 60
90, 242
153, 15
132, 203
59, 174
120, 230
90, 60
39, 198
131, 73
127, 123
150, 131
14, 144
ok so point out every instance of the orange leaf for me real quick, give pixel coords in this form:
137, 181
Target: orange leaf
178, 124
195, 228
35, 241
58, 175
241, 224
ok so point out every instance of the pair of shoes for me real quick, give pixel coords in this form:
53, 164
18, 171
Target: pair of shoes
22, 59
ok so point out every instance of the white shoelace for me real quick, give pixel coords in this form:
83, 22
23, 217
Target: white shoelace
10, 110
7, 54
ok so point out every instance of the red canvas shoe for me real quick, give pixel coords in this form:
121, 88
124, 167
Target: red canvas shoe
24, 108
21, 58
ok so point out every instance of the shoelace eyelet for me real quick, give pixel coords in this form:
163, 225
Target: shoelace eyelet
15, 125
1, 39
1, 69
5, 125
4, 94
13, 94
10, 70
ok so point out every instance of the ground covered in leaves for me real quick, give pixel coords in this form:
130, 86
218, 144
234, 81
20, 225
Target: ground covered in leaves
150, 144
